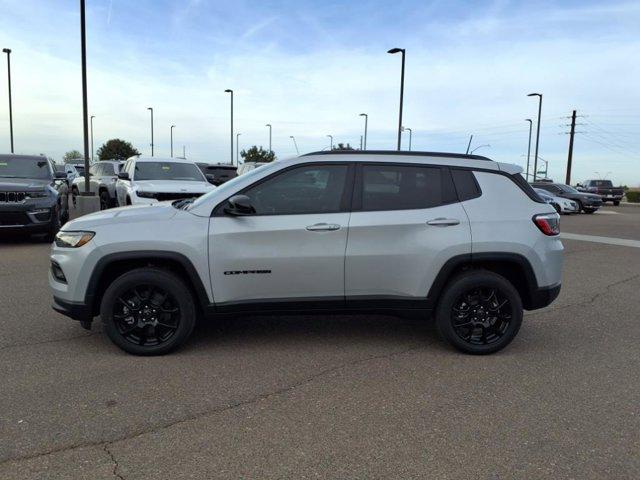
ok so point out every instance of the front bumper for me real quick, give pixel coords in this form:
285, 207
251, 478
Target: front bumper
75, 310
26, 217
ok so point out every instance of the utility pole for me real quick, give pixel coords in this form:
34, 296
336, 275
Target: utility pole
469, 145
570, 158
535, 160
8, 52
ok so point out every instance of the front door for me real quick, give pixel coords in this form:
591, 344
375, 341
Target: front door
292, 249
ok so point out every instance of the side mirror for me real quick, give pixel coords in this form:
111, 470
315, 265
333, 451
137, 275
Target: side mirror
211, 178
123, 176
239, 205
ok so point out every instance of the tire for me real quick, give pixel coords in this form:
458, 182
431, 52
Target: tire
155, 326
616, 203
74, 194
105, 200
591, 210
56, 223
469, 296
128, 202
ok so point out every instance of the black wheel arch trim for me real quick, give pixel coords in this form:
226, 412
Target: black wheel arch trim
196, 282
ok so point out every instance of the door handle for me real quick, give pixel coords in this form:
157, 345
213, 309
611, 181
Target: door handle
444, 222
323, 227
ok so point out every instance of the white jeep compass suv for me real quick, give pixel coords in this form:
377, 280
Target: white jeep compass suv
459, 237
147, 180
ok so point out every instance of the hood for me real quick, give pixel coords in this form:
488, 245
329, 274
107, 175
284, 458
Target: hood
22, 184
130, 214
173, 186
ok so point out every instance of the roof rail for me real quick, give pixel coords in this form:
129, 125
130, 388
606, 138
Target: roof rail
398, 152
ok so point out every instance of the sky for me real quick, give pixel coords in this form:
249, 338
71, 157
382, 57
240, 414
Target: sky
309, 68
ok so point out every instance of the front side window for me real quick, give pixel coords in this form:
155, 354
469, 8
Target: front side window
399, 187
168, 171
302, 190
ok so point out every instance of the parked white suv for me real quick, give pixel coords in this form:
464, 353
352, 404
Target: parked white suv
147, 180
459, 236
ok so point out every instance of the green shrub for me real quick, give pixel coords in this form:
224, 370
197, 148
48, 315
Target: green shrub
633, 196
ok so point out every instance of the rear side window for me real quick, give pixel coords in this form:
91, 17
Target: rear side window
400, 187
466, 184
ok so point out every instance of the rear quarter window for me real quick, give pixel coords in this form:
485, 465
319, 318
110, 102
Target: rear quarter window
466, 184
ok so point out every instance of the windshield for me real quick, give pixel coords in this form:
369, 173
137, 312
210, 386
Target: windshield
542, 193
24, 168
602, 183
567, 189
168, 171
231, 184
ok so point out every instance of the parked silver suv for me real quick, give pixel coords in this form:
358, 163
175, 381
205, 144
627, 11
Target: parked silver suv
457, 236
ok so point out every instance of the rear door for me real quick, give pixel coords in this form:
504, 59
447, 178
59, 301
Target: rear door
405, 224
292, 248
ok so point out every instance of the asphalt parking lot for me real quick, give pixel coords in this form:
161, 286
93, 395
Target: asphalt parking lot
332, 397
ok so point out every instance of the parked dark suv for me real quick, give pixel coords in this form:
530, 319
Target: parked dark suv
587, 202
34, 198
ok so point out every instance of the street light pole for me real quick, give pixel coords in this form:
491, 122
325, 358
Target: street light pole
529, 147
535, 160
366, 121
171, 132
331, 144
392, 51
151, 110
269, 125
295, 144
237, 149
8, 52
228, 90
485, 145
91, 119
85, 108
407, 128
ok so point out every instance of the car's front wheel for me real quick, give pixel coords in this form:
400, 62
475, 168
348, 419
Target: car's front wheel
148, 311
480, 312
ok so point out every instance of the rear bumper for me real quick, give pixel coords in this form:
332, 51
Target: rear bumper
74, 310
543, 296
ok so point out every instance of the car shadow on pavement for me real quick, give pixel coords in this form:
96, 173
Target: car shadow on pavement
14, 239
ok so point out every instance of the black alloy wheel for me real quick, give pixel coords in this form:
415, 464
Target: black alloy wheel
148, 311
479, 312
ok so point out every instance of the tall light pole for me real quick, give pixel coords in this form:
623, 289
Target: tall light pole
228, 90
91, 121
171, 134
295, 144
237, 149
410, 132
331, 144
366, 121
529, 147
269, 125
535, 160
392, 51
8, 52
151, 110
85, 107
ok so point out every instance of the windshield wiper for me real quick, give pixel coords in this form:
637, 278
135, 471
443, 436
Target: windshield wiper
182, 204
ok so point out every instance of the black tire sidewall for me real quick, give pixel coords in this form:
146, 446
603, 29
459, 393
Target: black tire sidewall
149, 276
466, 282
104, 196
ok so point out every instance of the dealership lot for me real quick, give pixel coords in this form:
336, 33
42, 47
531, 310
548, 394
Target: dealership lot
332, 397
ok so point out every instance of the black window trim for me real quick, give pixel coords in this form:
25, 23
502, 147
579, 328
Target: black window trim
356, 204
475, 180
345, 201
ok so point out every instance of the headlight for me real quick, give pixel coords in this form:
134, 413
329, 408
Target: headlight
146, 194
73, 239
39, 194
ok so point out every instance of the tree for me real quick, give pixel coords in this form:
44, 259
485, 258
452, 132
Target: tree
72, 155
257, 154
116, 149
342, 146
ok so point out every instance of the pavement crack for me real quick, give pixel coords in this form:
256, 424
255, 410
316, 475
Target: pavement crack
114, 461
214, 411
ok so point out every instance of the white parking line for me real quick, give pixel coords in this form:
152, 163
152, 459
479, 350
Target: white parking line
607, 212
625, 242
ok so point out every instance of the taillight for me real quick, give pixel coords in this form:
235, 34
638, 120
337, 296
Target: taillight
548, 223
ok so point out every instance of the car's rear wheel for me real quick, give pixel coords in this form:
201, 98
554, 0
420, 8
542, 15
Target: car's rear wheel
148, 311
480, 312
